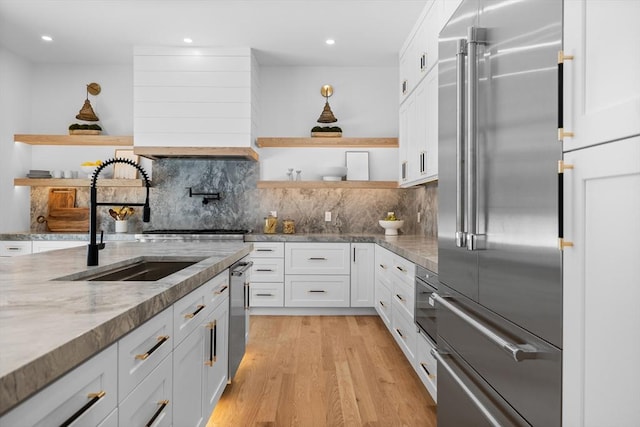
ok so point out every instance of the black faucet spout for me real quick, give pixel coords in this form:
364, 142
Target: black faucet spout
94, 247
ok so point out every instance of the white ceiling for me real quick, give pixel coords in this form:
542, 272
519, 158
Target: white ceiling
284, 32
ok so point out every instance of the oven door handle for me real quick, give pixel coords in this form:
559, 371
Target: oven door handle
517, 352
487, 414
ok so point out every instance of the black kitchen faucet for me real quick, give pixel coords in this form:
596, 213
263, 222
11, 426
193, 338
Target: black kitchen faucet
94, 247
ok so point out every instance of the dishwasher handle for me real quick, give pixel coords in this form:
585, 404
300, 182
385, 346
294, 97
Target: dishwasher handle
240, 268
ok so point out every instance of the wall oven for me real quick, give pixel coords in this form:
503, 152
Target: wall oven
425, 307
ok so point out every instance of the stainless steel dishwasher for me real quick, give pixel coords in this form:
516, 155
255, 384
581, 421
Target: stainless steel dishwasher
239, 279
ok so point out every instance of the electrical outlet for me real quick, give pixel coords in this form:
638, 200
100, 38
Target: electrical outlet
419, 217
327, 216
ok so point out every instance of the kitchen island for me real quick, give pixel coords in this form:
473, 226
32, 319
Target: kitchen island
49, 326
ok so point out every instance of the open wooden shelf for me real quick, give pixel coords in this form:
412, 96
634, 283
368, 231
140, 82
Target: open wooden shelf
78, 182
328, 184
78, 140
320, 142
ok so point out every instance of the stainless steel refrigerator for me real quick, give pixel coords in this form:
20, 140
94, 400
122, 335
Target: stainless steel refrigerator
500, 299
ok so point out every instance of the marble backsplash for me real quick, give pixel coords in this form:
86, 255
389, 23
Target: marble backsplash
243, 206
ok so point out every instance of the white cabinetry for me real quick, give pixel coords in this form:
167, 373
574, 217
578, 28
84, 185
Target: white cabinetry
601, 292
418, 114
317, 275
51, 245
87, 394
425, 365
200, 356
267, 275
601, 84
194, 97
362, 273
15, 247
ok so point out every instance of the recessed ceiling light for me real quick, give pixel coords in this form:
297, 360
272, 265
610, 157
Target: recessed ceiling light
187, 40
47, 38
330, 41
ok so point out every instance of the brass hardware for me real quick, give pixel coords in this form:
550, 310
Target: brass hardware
430, 375
326, 91
562, 57
400, 297
400, 333
99, 395
144, 356
564, 244
211, 325
562, 134
221, 290
562, 166
311, 291
382, 266
382, 304
192, 315
162, 404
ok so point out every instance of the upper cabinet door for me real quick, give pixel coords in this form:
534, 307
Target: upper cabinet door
601, 84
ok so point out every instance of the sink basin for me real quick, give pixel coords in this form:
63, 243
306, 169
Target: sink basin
145, 271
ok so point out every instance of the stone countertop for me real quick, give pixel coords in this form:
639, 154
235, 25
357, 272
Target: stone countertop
28, 235
422, 250
48, 327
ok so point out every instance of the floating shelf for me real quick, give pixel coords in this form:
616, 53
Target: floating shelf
229, 153
320, 142
328, 184
78, 140
79, 182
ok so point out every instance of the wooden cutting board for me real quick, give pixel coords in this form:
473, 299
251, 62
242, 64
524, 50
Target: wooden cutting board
62, 198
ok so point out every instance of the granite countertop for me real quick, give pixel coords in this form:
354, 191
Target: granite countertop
48, 327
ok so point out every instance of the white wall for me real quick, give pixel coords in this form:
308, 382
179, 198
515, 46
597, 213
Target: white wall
365, 102
15, 159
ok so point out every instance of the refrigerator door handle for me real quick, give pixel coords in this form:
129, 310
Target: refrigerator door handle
461, 235
441, 363
517, 352
475, 36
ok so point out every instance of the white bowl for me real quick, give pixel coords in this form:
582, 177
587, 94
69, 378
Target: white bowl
391, 227
332, 178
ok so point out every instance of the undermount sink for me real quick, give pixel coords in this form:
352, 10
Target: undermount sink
143, 271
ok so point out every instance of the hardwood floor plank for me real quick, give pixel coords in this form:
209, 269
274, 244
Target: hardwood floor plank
323, 371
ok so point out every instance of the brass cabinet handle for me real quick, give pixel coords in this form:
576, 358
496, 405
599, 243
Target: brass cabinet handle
400, 298
198, 310
163, 404
313, 291
161, 340
264, 269
221, 290
382, 304
94, 397
400, 333
401, 269
382, 266
319, 258
424, 368
264, 250
213, 338
264, 295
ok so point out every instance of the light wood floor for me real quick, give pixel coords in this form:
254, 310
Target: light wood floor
323, 371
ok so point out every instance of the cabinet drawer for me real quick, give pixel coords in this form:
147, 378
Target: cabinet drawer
384, 261
404, 331
267, 270
403, 269
189, 311
316, 291
267, 250
426, 366
150, 402
140, 351
267, 294
68, 395
216, 291
383, 302
14, 248
317, 258
404, 296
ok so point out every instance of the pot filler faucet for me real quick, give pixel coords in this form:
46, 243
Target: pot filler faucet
93, 248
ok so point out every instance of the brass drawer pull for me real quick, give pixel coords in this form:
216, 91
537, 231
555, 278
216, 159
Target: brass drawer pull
401, 269
213, 338
221, 290
400, 298
424, 368
264, 250
319, 258
264, 295
400, 333
163, 404
161, 340
382, 304
198, 310
264, 269
313, 291
94, 399
382, 266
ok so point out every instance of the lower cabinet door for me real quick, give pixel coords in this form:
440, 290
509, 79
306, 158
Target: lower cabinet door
85, 396
150, 403
217, 358
189, 377
316, 291
426, 365
383, 302
404, 331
